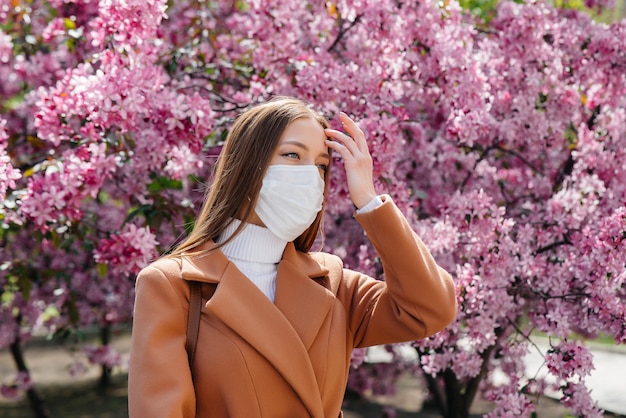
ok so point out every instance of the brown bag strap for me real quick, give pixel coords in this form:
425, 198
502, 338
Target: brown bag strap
193, 320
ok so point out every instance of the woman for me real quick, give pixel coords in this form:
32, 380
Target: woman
276, 336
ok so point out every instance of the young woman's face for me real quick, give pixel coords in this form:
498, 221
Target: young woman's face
302, 143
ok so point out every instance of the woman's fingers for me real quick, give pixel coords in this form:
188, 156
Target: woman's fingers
354, 141
341, 142
352, 144
353, 129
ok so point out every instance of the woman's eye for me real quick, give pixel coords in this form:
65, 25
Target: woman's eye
291, 155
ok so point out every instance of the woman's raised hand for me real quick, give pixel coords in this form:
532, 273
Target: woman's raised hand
356, 159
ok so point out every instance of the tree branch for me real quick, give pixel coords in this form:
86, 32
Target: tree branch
564, 241
435, 389
482, 156
519, 156
343, 31
37, 403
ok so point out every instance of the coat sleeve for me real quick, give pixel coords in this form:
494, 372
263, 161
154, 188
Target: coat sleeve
417, 298
159, 379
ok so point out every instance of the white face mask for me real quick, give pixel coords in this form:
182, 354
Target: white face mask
290, 198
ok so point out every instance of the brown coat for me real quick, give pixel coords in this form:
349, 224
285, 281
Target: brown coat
289, 358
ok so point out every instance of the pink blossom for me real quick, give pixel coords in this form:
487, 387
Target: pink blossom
510, 405
14, 391
569, 358
6, 48
577, 397
467, 364
358, 356
55, 28
56, 193
8, 174
77, 369
105, 355
9, 329
127, 22
128, 251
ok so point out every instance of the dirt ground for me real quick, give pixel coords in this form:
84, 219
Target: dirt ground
68, 397
83, 400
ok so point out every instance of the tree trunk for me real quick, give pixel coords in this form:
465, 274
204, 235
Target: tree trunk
454, 398
36, 401
438, 394
105, 375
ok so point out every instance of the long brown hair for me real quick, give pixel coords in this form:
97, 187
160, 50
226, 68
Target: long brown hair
247, 152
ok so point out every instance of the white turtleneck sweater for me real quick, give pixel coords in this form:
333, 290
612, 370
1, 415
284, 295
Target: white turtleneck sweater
256, 251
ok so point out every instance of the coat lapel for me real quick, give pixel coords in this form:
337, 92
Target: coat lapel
304, 302
281, 332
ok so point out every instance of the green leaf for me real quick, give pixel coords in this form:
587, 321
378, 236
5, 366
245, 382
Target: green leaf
140, 210
154, 187
69, 23
25, 286
72, 312
161, 183
189, 223
102, 270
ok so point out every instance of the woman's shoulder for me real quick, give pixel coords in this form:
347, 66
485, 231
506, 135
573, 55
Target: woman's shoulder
160, 285
166, 264
164, 267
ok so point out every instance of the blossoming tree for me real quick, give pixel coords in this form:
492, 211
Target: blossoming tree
502, 141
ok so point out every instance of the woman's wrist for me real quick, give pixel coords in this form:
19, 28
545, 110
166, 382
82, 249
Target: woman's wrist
375, 202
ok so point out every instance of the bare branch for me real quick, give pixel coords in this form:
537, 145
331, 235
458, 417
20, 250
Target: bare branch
343, 31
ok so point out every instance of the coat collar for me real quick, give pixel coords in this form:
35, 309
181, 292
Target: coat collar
282, 331
209, 266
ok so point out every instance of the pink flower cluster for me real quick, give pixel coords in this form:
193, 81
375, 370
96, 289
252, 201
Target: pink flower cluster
6, 48
577, 397
56, 192
15, 390
104, 354
568, 359
8, 174
128, 251
511, 404
126, 22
